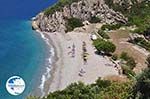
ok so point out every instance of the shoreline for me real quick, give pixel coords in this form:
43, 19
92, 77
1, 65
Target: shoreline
54, 60
66, 69
56, 65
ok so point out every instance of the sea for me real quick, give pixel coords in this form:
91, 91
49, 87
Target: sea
23, 52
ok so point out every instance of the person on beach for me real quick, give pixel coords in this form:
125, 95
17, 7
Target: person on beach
85, 60
84, 49
84, 44
81, 72
85, 54
73, 50
69, 47
69, 51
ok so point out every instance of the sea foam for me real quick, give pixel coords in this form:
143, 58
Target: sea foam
46, 74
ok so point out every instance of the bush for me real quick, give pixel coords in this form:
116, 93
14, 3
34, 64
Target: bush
102, 83
137, 40
93, 91
130, 60
111, 27
128, 71
124, 56
103, 34
117, 91
114, 57
95, 19
73, 23
142, 42
138, 14
104, 46
142, 87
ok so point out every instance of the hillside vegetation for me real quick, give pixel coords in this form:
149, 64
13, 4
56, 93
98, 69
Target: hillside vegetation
58, 6
138, 88
138, 13
102, 89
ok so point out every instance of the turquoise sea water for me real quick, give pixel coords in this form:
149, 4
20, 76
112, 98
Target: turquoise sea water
22, 51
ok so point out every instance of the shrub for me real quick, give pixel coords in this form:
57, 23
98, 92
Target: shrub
104, 46
111, 26
128, 71
137, 40
73, 23
142, 87
95, 19
142, 42
124, 56
130, 60
117, 91
114, 57
94, 91
103, 34
102, 83
138, 14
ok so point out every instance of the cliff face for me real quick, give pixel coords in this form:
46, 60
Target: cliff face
82, 10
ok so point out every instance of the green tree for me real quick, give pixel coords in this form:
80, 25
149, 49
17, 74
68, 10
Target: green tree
95, 19
117, 91
114, 57
101, 89
142, 87
104, 46
73, 23
103, 34
102, 83
111, 26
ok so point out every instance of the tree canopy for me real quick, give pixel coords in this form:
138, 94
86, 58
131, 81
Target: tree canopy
102, 89
142, 87
104, 46
73, 23
105, 89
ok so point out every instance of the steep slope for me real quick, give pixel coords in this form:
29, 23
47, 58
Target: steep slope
83, 10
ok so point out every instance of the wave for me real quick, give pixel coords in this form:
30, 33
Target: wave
46, 74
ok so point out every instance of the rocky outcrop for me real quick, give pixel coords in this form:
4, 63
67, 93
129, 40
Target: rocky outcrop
83, 10
127, 3
131, 2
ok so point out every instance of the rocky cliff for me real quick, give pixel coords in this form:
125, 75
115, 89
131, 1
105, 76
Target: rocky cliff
131, 2
83, 10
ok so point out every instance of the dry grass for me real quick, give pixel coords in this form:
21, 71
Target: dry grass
121, 79
119, 38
